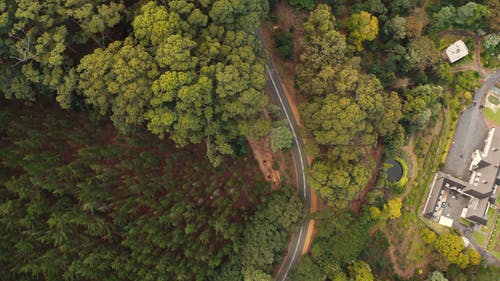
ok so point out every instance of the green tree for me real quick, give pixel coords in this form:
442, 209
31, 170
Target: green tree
281, 138
422, 53
443, 18
493, 17
393, 208
346, 109
125, 72
451, 246
428, 236
437, 276
303, 4
471, 15
256, 275
360, 271
396, 27
39, 48
421, 104
362, 27
306, 270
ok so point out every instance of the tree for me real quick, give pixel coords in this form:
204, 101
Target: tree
474, 257
393, 208
303, 4
437, 276
493, 18
255, 275
360, 271
39, 43
444, 18
281, 138
306, 270
471, 15
272, 223
422, 53
72, 224
421, 104
375, 213
396, 27
451, 246
491, 41
362, 27
126, 72
346, 112
428, 236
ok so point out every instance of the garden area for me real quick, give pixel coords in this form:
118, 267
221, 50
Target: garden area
492, 109
494, 243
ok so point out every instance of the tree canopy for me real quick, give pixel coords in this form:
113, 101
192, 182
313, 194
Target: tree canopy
191, 71
346, 112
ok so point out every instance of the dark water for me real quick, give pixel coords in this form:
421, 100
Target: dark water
395, 172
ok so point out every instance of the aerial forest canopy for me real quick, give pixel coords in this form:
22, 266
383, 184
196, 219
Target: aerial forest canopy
190, 70
79, 201
346, 113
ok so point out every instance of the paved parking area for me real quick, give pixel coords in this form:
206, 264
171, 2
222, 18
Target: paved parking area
470, 134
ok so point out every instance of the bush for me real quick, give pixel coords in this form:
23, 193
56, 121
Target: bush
303, 4
283, 42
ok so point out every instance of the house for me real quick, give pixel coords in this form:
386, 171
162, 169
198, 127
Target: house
456, 51
451, 198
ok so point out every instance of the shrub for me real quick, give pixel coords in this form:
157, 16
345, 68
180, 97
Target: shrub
283, 42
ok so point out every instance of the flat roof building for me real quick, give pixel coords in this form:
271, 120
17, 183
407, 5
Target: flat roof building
457, 51
469, 200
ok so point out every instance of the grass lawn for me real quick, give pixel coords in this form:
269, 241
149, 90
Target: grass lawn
494, 235
494, 100
480, 237
492, 116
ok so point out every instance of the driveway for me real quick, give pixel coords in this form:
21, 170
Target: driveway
470, 133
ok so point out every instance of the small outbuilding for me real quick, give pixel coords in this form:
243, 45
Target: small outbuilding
456, 51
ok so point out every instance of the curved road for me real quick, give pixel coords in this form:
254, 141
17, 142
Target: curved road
299, 238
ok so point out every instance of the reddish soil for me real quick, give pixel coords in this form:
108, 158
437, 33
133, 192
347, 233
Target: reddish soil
263, 155
356, 204
398, 253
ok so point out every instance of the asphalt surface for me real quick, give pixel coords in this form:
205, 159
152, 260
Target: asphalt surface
304, 190
470, 133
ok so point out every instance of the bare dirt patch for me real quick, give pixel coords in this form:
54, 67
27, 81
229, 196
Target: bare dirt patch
263, 155
398, 252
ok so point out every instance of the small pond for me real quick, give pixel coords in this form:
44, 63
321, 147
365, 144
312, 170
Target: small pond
395, 172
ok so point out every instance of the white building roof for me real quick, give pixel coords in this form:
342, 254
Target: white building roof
457, 51
445, 221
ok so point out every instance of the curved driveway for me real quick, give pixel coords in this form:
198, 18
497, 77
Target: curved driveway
299, 238
470, 133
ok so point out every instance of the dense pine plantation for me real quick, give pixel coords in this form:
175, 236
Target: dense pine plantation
78, 201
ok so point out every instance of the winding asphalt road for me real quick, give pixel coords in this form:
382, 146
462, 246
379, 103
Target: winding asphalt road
299, 238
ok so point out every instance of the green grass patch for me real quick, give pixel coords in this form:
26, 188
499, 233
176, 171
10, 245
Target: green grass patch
490, 214
480, 238
494, 235
465, 222
494, 100
496, 254
445, 40
404, 177
491, 115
